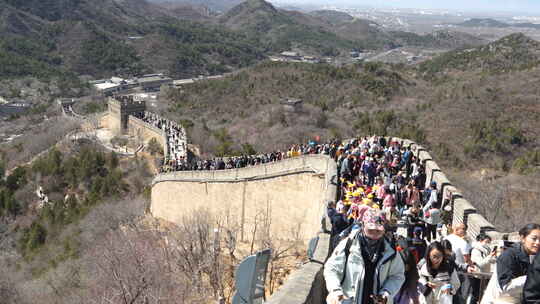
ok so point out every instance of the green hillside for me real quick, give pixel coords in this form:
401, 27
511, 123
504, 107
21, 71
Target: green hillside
483, 22
333, 17
91, 38
511, 53
280, 30
438, 39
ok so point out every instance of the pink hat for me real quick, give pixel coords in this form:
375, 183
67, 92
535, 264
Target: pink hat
373, 219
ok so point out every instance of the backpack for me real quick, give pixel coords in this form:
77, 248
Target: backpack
334, 240
347, 251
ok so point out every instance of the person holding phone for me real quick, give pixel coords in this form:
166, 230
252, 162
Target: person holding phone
482, 256
438, 277
364, 268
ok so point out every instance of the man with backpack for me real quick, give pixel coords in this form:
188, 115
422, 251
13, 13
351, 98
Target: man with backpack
364, 268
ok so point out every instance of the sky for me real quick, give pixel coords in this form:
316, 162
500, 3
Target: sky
531, 7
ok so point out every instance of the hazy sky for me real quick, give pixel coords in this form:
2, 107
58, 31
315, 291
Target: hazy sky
532, 7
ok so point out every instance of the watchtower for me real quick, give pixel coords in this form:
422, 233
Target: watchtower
120, 107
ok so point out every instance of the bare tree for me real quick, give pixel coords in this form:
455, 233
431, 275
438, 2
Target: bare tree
506, 202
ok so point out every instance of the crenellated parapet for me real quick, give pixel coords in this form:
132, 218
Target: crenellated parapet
463, 210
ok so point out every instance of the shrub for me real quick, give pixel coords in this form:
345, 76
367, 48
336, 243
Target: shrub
154, 147
32, 238
493, 136
94, 107
225, 146
528, 163
16, 179
248, 149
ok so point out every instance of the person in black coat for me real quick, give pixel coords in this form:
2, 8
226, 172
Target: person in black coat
339, 221
531, 289
513, 263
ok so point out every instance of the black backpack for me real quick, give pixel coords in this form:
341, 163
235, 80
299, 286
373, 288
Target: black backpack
347, 251
334, 240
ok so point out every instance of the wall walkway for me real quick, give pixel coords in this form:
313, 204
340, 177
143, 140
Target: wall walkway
296, 190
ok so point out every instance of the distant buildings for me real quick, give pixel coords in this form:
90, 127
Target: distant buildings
294, 57
65, 101
183, 82
291, 55
114, 85
153, 82
14, 107
117, 85
146, 83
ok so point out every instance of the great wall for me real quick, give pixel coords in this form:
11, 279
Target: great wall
298, 187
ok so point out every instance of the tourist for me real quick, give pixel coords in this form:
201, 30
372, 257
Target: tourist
531, 289
510, 275
414, 220
408, 294
368, 272
339, 220
432, 218
483, 256
438, 278
461, 249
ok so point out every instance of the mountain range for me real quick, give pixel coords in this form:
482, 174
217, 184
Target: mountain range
217, 6
488, 22
101, 38
472, 106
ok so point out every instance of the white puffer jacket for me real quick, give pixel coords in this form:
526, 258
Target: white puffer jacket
388, 277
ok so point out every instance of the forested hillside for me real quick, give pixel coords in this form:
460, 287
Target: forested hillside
93, 38
493, 113
58, 39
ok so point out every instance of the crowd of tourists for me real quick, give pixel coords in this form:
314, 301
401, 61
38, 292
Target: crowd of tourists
221, 163
175, 135
391, 233
388, 245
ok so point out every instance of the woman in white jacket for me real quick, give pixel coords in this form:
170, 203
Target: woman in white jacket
483, 257
438, 278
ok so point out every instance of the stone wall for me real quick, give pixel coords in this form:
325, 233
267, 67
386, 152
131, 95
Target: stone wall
103, 120
295, 191
290, 192
145, 132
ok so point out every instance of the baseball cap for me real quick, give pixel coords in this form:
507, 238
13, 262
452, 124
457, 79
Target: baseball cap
373, 219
